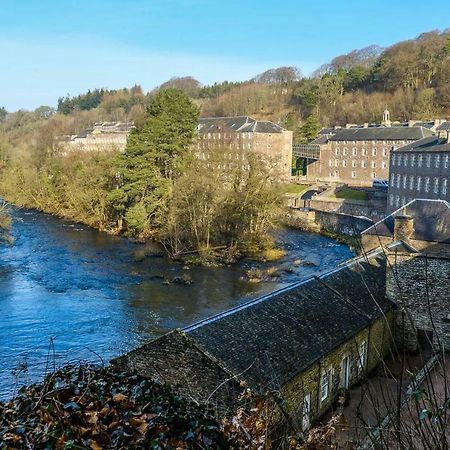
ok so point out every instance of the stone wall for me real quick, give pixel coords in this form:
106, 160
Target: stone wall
420, 286
378, 337
317, 221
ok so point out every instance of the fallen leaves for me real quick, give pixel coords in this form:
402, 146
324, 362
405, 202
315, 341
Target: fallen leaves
85, 407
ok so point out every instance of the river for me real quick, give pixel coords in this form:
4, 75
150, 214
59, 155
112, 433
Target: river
70, 293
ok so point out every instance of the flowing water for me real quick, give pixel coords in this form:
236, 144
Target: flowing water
70, 293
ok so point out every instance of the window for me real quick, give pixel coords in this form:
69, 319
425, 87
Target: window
420, 160
364, 152
405, 161
354, 163
336, 163
444, 186
354, 151
397, 201
330, 163
353, 174
344, 163
428, 160
337, 151
385, 151
326, 380
374, 175
437, 161
345, 151
413, 160
436, 185
374, 164
392, 179
362, 356
399, 160
411, 182
446, 162
394, 158
427, 184
383, 164
374, 152
398, 180
419, 184
331, 174
405, 180
363, 164
336, 173
391, 200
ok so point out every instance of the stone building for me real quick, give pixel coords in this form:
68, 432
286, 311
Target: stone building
420, 170
105, 136
357, 156
309, 341
418, 272
306, 342
237, 136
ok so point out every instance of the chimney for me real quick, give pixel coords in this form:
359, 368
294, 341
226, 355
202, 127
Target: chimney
403, 227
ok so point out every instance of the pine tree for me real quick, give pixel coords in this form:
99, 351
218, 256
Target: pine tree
156, 152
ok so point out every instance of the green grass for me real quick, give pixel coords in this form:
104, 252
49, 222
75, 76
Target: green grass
352, 194
295, 188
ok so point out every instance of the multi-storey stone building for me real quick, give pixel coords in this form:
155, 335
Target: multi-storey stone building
104, 136
420, 170
237, 136
357, 156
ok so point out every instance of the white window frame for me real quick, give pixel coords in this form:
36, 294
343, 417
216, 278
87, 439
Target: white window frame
326, 382
362, 356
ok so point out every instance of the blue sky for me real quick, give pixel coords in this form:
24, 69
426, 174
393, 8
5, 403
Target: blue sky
49, 48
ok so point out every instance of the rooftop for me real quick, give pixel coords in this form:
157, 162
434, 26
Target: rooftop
381, 133
271, 339
427, 144
237, 124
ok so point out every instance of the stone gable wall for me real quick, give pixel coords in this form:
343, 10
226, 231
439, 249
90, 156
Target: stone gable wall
420, 286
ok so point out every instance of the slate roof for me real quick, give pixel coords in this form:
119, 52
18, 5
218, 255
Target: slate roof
177, 360
381, 133
239, 124
272, 339
444, 126
431, 221
320, 140
427, 144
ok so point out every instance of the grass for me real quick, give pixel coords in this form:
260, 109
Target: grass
352, 194
295, 188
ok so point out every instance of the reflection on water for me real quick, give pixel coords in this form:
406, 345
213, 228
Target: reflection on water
91, 294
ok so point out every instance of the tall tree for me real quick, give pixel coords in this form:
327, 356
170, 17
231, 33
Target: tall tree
154, 157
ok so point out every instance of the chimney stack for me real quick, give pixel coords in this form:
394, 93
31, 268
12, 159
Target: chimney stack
403, 227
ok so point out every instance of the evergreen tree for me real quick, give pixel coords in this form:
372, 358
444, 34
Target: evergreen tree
310, 129
154, 158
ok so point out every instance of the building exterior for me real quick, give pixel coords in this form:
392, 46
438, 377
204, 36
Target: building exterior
420, 170
312, 340
307, 342
237, 136
357, 156
105, 136
418, 272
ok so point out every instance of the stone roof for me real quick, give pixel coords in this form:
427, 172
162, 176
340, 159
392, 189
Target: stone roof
427, 144
274, 338
444, 126
431, 221
381, 133
320, 140
237, 124
176, 359
268, 341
